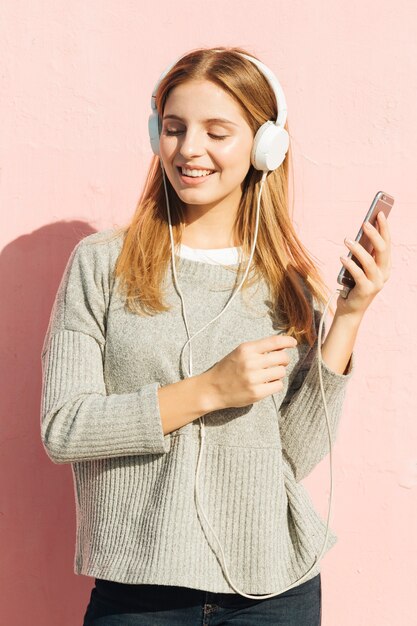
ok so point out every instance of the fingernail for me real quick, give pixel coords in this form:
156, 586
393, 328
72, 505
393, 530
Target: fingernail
349, 241
366, 225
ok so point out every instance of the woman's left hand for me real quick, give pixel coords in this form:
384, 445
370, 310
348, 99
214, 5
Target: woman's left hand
376, 268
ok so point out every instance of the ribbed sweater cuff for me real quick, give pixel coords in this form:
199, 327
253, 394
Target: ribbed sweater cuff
79, 421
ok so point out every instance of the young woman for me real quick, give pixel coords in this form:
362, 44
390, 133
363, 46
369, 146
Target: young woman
154, 364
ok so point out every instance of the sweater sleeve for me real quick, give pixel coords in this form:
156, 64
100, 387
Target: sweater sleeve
302, 419
79, 421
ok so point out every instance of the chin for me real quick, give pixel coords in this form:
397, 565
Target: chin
189, 199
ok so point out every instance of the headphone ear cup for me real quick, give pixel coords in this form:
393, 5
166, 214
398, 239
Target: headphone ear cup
153, 128
270, 146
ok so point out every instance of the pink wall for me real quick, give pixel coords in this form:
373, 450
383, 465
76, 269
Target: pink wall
76, 79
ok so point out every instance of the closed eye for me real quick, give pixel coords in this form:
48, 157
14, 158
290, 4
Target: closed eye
178, 132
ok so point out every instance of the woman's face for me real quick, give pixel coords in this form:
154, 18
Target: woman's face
193, 136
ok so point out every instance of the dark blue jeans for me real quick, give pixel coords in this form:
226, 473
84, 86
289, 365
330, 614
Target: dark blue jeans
119, 604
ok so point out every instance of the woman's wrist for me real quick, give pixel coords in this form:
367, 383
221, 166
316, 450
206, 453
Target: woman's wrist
337, 348
352, 319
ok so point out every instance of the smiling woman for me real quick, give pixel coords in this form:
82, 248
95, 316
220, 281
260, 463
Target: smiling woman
121, 401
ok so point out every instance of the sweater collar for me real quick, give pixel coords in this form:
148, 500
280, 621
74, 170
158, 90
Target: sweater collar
198, 271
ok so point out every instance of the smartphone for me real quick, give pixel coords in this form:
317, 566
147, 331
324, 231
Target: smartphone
381, 202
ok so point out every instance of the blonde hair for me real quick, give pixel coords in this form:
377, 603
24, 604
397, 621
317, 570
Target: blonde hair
279, 257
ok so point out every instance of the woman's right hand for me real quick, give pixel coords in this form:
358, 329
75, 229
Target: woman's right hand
250, 372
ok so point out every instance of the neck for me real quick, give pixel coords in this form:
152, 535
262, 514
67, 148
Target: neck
211, 226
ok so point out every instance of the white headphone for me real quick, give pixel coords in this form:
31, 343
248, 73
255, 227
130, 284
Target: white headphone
271, 142
269, 148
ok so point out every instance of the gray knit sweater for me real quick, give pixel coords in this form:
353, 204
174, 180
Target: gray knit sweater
134, 486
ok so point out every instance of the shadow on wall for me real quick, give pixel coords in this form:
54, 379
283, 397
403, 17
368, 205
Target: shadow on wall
37, 512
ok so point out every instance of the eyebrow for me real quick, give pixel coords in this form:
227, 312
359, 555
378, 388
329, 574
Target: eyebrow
222, 120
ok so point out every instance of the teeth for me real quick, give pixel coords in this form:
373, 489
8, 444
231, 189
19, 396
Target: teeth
195, 173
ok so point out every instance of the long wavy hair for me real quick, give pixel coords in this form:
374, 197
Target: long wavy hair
289, 271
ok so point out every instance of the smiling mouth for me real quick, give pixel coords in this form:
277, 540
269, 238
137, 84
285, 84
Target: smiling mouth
179, 168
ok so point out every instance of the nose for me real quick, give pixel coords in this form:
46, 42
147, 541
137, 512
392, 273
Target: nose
191, 143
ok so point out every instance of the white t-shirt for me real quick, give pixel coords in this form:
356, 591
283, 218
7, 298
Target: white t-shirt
225, 256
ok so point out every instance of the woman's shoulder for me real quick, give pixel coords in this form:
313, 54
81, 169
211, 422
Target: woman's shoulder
109, 236
92, 261
102, 247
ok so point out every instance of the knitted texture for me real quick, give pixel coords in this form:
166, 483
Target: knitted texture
136, 515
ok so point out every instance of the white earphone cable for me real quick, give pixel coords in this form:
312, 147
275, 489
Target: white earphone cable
201, 419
